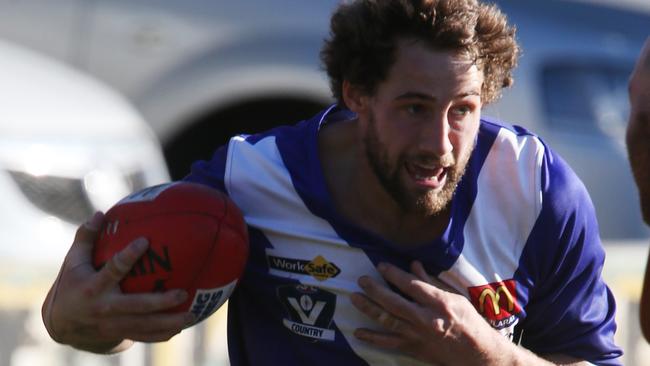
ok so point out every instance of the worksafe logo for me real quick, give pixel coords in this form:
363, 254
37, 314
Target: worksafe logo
310, 311
319, 267
497, 302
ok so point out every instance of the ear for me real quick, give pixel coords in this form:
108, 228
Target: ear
354, 98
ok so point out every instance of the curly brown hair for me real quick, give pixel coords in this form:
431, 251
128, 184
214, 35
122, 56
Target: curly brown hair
364, 35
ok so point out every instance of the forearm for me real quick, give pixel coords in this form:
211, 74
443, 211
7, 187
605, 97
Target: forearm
507, 353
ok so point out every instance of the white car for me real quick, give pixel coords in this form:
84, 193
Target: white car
69, 146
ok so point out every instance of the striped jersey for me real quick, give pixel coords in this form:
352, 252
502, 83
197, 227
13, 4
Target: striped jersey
522, 245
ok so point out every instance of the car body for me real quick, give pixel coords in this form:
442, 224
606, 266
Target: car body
69, 146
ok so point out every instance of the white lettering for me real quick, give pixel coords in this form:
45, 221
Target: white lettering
307, 331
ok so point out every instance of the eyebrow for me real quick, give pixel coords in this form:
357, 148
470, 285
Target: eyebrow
428, 97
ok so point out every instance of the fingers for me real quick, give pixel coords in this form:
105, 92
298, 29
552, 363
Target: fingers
142, 303
82, 246
388, 299
384, 318
379, 339
420, 290
120, 265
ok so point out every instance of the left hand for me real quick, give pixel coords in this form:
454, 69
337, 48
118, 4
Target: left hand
438, 326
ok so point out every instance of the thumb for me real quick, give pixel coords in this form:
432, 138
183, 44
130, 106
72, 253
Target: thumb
84, 240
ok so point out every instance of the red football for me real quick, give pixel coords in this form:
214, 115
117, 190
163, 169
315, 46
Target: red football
197, 241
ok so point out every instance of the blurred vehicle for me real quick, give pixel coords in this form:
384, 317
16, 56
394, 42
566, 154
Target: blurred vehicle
68, 146
201, 71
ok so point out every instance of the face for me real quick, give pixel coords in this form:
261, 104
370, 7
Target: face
419, 129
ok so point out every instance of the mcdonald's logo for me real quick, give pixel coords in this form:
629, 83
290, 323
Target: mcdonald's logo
495, 301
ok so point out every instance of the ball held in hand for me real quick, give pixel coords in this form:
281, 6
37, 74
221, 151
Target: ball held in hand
197, 242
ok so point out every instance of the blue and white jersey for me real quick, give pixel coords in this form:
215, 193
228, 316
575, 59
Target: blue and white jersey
522, 244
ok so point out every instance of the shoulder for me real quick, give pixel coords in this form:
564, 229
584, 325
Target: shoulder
520, 151
253, 152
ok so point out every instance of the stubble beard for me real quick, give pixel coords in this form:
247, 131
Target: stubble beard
428, 203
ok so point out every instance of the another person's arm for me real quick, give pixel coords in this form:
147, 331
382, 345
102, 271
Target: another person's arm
86, 309
638, 130
638, 145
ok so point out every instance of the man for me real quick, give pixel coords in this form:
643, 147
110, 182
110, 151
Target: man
638, 144
499, 234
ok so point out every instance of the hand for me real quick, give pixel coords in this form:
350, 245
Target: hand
439, 326
86, 309
638, 129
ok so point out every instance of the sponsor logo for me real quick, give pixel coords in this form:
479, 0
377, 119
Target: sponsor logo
319, 267
207, 301
497, 302
310, 311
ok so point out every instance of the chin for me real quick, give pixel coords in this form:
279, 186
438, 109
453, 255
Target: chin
433, 203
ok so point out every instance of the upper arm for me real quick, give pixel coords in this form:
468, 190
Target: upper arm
570, 309
210, 172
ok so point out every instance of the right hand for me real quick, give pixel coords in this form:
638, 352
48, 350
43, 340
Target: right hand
86, 309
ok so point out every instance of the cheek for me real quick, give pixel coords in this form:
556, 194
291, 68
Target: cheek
463, 140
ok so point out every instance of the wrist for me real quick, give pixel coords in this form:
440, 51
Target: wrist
508, 353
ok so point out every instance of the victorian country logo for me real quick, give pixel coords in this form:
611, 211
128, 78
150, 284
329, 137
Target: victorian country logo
310, 311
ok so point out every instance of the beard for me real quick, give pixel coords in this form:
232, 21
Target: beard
424, 202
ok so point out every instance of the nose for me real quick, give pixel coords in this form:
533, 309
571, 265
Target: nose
434, 137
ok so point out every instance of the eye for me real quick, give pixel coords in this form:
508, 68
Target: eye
415, 109
462, 110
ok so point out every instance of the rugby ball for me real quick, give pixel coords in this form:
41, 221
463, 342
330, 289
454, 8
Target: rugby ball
197, 241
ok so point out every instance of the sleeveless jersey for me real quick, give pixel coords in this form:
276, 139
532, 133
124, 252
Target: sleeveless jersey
522, 245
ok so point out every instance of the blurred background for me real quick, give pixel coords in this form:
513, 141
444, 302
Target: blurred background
103, 97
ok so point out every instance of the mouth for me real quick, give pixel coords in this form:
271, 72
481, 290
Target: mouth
427, 176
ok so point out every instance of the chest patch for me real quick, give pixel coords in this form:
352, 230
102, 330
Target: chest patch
497, 303
310, 311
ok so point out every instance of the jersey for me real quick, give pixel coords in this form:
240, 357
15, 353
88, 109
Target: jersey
522, 245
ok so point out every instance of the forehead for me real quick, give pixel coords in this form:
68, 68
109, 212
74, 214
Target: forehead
420, 67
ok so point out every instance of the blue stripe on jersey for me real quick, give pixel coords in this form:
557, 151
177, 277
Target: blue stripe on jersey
462, 203
564, 291
210, 172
